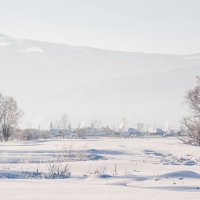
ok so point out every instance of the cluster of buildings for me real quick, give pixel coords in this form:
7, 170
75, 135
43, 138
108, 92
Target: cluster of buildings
82, 132
85, 132
103, 132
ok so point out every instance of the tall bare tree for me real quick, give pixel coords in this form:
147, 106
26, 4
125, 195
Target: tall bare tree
10, 115
123, 124
96, 123
1, 107
64, 122
140, 126
192, 123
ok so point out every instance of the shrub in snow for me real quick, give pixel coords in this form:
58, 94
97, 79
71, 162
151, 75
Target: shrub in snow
57, 170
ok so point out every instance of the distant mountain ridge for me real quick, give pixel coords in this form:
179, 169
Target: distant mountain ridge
49, 79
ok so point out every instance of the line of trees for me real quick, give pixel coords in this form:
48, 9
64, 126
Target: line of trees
10, 114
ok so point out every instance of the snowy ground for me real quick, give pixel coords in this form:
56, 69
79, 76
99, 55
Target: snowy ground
101, 168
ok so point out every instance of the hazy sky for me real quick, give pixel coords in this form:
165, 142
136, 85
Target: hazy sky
159, 26
86, 83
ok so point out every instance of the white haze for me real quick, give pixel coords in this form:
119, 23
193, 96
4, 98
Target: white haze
49, 79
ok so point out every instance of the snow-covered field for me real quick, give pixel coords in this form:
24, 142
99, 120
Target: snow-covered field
100, 168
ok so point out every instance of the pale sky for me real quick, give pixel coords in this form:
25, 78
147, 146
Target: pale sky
154, 26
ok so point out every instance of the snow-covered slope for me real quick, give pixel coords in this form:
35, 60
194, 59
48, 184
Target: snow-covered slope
50, 79
139, 168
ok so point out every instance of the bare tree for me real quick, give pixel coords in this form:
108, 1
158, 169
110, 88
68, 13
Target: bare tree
10, 115
51, 127
192, 123
96, 123
140, 126
124, 124
64, 122
1, 106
